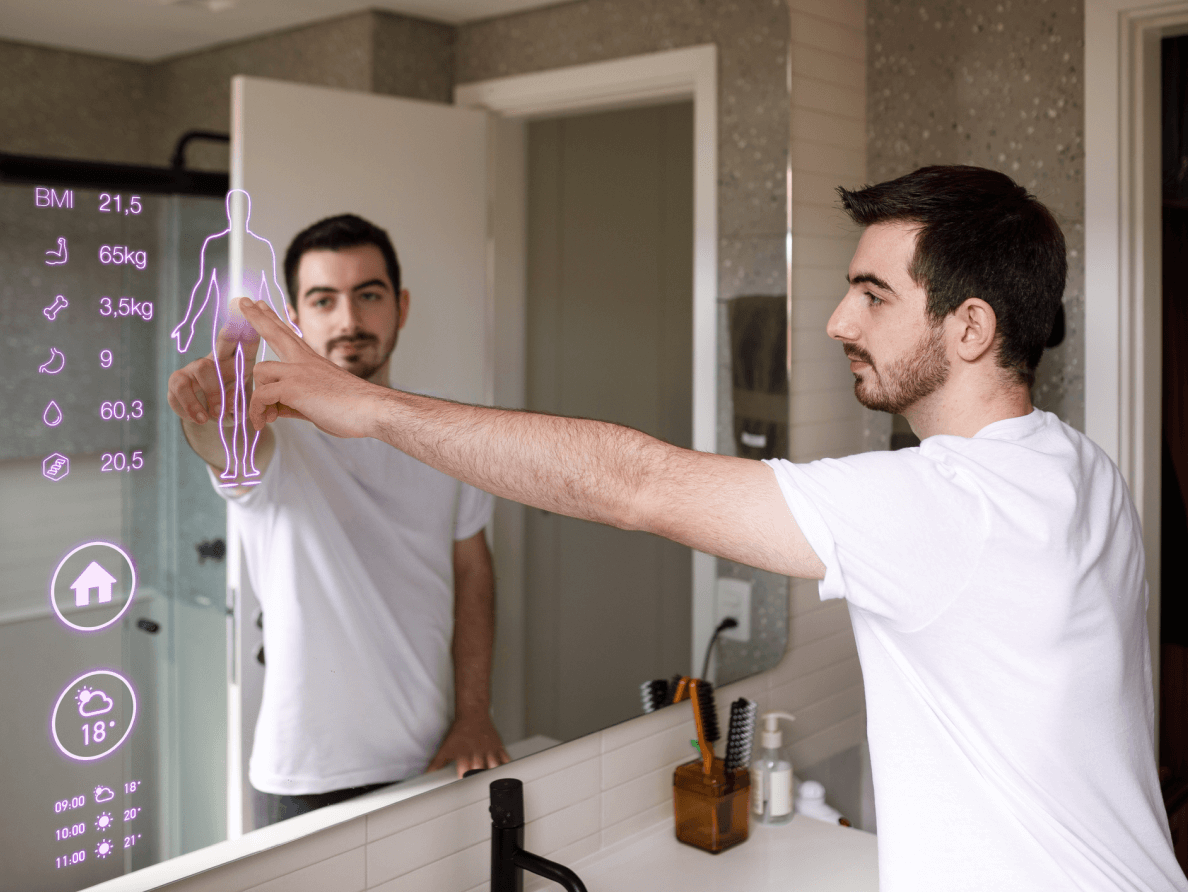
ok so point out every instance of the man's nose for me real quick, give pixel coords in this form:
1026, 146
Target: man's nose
347, 315
843, 324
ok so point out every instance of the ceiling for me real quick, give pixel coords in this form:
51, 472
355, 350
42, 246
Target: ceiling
154, 29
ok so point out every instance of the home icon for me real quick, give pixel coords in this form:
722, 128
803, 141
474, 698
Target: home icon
94, 577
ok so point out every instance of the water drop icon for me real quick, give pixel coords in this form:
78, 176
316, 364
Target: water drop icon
53, 414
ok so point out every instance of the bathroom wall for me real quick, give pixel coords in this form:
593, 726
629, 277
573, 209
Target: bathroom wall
997, 83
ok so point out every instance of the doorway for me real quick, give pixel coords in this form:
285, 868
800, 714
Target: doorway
609, 336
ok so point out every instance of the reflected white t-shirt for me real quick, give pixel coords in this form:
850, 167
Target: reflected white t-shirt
349, 547
996, 589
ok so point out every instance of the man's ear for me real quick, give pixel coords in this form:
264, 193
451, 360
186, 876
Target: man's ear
402, 308
976, 326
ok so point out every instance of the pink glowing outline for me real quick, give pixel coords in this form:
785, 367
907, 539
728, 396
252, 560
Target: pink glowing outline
61, 252
54, 583
237, 465
54, 715
45, 468
51, 312
45, 414
45, 366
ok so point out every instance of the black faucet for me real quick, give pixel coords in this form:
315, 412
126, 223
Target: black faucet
508, 858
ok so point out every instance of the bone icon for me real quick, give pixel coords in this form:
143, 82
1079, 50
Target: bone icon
51, 312
58, 256
55, 364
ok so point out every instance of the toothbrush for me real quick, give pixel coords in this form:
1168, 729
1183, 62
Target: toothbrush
706, 718
741, 734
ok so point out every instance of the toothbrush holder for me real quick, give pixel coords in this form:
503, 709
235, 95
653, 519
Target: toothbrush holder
711, 809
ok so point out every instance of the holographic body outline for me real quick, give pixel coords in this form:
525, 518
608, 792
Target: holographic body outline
55, 354
127, 731
240, 455
54, 585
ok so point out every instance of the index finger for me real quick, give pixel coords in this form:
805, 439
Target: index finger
280, 337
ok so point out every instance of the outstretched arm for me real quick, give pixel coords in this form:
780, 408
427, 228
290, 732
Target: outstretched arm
593, 470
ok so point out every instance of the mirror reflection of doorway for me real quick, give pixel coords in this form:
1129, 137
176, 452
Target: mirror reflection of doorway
609, 307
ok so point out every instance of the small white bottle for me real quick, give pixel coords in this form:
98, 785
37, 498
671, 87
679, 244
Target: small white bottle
771, 774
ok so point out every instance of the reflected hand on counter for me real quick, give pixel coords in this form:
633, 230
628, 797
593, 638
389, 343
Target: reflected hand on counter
471, 743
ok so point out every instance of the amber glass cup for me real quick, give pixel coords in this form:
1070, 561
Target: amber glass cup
711, 809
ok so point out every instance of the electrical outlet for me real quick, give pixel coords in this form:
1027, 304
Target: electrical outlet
734, 599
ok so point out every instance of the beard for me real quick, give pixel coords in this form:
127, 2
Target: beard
358, 366
905, 381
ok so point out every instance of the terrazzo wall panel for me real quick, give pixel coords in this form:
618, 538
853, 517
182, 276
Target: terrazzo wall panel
997, 83
192, 92
72, 105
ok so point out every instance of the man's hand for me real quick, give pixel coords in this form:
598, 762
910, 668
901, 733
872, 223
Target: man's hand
203, 392
305, 385
197, 391
471, 743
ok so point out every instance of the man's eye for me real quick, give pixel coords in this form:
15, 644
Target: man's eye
370, 295
875, 301
322, 303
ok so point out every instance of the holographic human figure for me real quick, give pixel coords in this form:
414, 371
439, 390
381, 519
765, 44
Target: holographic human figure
234, 344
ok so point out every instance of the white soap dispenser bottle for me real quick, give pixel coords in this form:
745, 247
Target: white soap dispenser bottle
771, 774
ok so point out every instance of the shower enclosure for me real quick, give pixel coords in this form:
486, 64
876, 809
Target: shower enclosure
113, 608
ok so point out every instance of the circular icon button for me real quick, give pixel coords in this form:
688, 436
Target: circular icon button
93, 586
94, 715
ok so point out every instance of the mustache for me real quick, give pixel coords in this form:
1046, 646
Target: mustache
854, 352
351, 340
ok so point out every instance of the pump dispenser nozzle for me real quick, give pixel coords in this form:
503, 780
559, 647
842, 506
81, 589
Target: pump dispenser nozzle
772, 737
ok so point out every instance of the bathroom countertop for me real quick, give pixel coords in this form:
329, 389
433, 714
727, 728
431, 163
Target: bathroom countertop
806, 855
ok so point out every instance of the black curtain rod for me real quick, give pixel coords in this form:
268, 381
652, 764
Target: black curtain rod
32, 170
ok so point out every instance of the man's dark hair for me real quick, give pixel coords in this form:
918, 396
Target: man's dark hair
981, 235
334, 234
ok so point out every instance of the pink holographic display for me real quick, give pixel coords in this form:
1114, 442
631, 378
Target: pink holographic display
215, 287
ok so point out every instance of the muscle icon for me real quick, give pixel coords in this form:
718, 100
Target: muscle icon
241, 347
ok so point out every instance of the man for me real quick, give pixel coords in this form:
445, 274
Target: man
994, 574
356, 552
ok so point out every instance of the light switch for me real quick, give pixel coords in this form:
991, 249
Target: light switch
734, 599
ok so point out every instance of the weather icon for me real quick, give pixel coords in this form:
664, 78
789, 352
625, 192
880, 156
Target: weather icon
104, 848
104, 794
103, 822
92, 703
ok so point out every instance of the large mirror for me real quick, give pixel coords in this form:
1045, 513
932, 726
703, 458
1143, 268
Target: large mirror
129, 619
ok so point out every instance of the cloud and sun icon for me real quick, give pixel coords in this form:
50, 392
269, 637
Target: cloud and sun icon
104, 794
92, 703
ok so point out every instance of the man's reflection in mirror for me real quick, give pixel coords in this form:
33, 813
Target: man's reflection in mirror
372, 569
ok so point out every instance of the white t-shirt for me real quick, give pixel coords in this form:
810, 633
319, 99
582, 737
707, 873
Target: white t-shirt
996, 589
349, 547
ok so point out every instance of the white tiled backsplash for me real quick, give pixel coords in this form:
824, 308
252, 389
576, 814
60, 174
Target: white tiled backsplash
579, 797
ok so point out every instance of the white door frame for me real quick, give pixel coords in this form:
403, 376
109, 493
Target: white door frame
688, 73
1123, 287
